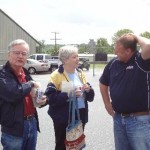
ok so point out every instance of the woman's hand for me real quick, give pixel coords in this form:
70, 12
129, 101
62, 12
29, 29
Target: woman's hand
78, 91
86, 87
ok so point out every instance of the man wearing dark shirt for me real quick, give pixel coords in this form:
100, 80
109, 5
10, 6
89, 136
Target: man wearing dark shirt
18, 116
125, 88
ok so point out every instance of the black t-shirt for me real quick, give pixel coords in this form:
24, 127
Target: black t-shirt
129, 84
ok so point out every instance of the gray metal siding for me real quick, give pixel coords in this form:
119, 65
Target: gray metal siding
9, 31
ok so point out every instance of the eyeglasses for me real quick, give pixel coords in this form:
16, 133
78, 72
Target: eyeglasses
17, 53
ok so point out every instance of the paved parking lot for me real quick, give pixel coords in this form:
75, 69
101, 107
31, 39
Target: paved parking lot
98, 131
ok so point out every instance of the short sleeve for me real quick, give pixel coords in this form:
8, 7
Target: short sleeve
105, 77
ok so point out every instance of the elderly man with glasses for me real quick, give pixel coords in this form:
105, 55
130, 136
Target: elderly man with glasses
18, 116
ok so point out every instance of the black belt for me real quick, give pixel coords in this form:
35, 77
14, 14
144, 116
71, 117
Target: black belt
135, 114
29, 117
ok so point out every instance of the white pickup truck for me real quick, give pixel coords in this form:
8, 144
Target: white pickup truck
53, 61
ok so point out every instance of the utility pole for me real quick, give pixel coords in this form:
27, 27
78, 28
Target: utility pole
55, 40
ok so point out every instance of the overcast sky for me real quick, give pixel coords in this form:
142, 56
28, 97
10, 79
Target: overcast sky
77, 21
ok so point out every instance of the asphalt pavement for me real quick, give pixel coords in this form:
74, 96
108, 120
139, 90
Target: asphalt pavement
99, 129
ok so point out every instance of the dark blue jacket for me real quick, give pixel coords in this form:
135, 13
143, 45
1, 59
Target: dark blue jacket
58, 104
12, 94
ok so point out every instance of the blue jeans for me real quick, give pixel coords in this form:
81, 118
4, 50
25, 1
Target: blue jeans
27, 142
132, 133
10, 142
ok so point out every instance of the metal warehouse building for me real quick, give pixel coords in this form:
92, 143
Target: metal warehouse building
9, 31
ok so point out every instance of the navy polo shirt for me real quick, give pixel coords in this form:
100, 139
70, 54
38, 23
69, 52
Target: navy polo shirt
129, 84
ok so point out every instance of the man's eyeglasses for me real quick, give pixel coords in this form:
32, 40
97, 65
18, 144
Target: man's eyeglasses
17, 53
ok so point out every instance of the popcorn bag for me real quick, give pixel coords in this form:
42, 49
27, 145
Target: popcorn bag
75, 138
36, 94
39, 95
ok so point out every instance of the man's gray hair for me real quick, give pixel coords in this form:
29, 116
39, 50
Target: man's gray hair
17, 42
66, 51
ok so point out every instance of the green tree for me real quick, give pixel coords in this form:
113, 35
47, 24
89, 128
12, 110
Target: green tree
49, 49
41, 47
102, 45
54, 50
119, 33
145, 34
83, 48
